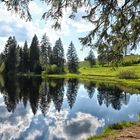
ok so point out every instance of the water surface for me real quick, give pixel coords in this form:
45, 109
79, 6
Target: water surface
58, 109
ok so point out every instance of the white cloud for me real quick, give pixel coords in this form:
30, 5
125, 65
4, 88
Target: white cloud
11, 127
121, 2
6, 29
80, 127
34, 8
83, 26
33, 135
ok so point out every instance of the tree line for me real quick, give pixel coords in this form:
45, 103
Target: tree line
38, 57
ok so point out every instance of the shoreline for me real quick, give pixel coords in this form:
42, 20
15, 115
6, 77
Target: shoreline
129, 85
98, 78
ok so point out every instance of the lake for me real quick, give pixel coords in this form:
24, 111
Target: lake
59, 109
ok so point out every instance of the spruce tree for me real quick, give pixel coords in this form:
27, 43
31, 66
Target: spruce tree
91, 58
58, 55
72, 59
11, 57
50, 55
44, 50
26, 58
21, 59
34, 55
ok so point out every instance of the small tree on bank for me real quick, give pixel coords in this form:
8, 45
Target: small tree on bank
91, 58
58, 55
72, 59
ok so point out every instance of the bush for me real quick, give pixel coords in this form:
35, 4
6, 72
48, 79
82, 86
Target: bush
127, 75
52, 69
127, 63
131, 62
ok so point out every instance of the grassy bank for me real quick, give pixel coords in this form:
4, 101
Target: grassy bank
112, 130
103, 74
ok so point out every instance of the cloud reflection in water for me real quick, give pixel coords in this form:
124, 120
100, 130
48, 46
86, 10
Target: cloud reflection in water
22, 124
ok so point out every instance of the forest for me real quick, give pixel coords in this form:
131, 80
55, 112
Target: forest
37, 57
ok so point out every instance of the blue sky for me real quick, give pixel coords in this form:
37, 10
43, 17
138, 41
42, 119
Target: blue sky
12, 25
71, 29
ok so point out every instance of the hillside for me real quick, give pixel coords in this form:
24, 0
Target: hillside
84, 67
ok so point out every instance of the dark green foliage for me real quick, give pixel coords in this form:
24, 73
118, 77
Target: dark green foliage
21, 66
127, 75
58, 55
50, 55
45, 50
72, 59
109, 55
10, 56
91, 58
130, 63
52, 69
34, 55
26, 59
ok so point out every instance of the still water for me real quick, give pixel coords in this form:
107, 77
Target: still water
58, 109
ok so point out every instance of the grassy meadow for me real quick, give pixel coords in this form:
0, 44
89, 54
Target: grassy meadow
106, 73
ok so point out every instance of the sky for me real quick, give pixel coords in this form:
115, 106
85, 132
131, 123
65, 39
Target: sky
12, 25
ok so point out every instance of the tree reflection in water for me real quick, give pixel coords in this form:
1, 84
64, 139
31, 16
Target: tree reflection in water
72, 88
40, 93
112, 95
90, 87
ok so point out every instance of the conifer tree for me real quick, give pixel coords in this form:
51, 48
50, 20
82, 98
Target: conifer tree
21, 59
11, 56
44, 50
91, 58
26, 58
58, 55
34, 55
72, 59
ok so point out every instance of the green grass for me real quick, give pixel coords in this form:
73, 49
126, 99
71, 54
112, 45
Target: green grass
106, 74
108, 71
131, 58
110, 130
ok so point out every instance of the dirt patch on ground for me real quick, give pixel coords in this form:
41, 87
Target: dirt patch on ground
129, 133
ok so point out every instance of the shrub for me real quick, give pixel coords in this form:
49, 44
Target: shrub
127, 75
131, 62
127, 63
52, 69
